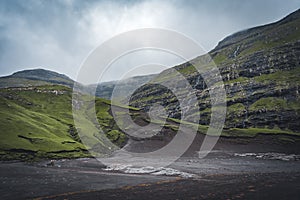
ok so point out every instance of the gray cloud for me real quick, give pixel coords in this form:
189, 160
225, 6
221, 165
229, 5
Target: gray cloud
58, 35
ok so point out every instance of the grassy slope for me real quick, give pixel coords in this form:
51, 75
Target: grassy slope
39, 123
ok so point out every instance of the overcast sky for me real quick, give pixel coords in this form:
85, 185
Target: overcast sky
58, 35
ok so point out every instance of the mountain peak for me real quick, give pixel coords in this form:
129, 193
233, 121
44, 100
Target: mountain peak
35, 77
39, 74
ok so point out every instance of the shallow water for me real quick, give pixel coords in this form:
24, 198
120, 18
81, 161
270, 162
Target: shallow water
271, 156
149, 170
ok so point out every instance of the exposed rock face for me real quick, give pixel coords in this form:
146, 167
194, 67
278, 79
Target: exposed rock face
260, 68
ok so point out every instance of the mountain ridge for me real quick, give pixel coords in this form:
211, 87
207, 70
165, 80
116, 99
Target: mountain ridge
40, 76
293, 16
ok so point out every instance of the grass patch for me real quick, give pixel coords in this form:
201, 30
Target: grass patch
292, 77
269, 103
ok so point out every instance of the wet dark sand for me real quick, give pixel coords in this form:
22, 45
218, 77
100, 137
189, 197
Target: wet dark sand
220, 175
242, 186
27, 181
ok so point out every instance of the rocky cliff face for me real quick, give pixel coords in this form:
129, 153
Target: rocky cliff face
260, 68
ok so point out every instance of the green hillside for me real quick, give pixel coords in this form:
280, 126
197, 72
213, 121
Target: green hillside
37, 122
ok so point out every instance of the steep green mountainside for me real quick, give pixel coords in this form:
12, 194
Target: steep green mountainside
260, 68
37, 122
35, 77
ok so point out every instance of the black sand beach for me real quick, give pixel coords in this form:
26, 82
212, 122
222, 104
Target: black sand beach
233, 170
